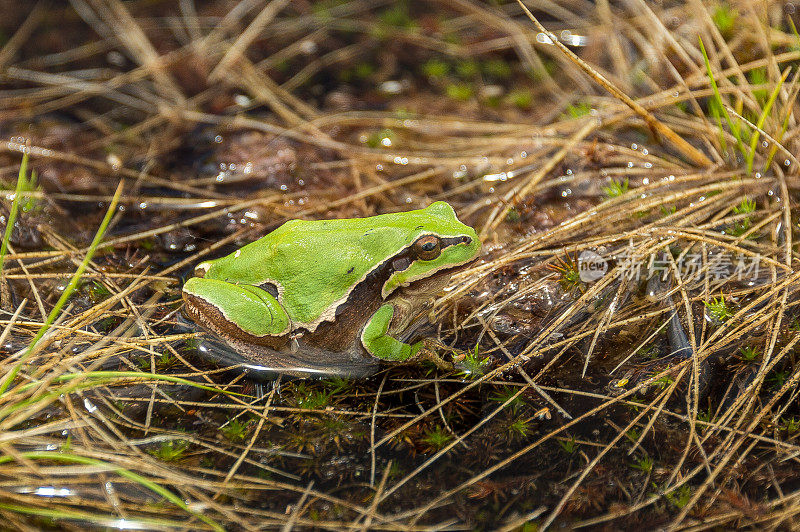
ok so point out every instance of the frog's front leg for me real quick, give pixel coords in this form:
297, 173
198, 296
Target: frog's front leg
377, 341
231, 307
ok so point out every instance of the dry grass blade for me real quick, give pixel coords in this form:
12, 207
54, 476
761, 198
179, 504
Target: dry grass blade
658, 127
8, 379
624, 349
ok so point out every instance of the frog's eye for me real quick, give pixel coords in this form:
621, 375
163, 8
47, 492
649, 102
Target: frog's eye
428, 247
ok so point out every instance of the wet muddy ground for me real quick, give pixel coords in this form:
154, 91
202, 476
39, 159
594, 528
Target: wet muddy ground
624, 345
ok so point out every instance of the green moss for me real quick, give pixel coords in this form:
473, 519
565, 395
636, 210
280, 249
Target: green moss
577, 110
497, 69
680, 497
166, 360
437, 437
235, 430
644, 463
616, 188
385, 138
513, 216
98, 291
435, 68
568, 446
746, 206
398, 17
309, 398
519, 427
724, 18
171, 450
459, 91
748, 354
363, 70
467, 69
718, 308
777, 379
473, 364
505, 394
520, 98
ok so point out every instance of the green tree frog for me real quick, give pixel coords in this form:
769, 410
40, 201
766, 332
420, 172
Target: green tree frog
332, 296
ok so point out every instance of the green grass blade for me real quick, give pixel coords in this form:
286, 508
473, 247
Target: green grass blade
22, 179
761, 119
733, 127
73, 283
98, 378
779, 137
100, 520
714, 110
121, 471
110, 376
793, 27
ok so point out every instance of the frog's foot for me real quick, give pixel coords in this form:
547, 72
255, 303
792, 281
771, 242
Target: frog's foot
429, 352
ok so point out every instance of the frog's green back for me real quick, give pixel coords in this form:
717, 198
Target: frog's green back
315, 262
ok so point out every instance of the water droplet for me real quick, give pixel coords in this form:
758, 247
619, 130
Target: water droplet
543, 38
391, 87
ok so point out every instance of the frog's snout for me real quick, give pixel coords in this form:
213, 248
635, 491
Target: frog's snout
201, 269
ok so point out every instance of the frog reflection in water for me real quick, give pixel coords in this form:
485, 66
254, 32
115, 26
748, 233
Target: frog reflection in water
331, 296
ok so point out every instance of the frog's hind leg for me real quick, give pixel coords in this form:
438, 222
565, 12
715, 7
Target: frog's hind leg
232, 309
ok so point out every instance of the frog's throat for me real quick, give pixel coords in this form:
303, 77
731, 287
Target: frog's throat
329, 314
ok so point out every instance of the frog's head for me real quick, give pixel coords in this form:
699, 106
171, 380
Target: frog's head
438, 241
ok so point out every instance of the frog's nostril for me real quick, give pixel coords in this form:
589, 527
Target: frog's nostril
201, 269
